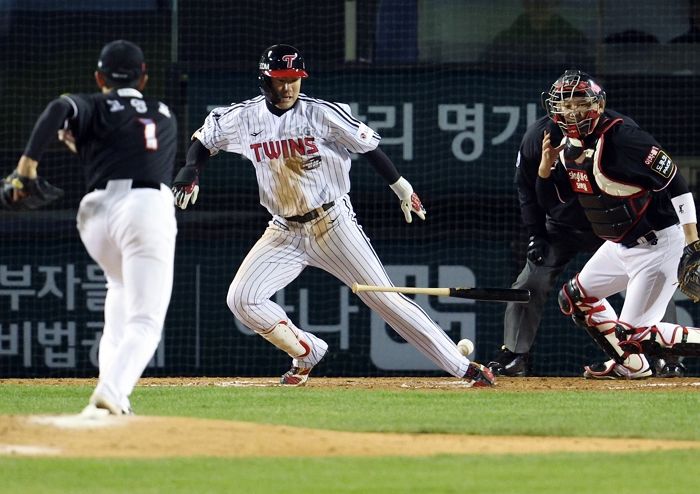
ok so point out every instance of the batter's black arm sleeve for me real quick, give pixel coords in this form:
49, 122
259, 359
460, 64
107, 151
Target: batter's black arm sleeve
46, 126
384, 166
197, 155
678, 185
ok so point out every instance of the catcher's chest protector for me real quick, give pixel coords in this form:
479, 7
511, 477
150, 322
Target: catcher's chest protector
614, 209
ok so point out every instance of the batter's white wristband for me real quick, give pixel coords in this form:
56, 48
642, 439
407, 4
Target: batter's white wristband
685, 208
402, 189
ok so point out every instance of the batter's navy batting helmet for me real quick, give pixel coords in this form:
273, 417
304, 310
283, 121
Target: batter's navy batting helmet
575, 102
279, 61
121, 62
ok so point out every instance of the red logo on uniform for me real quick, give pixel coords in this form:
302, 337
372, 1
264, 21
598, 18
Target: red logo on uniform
651, 156
580, 183
285, 148
289, 59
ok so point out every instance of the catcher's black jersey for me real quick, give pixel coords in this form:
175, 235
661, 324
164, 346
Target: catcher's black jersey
123, 135
632, 162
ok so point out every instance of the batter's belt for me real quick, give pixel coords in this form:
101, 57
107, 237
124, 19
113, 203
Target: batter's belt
311, 215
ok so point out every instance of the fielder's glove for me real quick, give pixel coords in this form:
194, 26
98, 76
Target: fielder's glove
186, 186
19, 193
410, 202
537, 249
689, 271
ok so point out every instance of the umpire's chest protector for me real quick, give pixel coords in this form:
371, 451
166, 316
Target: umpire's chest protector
614, 209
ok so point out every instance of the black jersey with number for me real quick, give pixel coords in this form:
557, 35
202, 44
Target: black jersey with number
122, 135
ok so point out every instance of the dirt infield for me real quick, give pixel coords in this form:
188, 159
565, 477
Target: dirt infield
404, 383
154, 437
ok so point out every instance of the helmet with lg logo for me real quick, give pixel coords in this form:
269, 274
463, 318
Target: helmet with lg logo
279, 61
575, 103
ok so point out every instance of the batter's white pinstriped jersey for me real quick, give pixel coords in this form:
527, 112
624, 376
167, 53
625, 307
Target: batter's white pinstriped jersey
301, 158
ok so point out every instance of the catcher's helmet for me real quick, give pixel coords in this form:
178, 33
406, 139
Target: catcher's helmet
279, 61
574, 102
121, 62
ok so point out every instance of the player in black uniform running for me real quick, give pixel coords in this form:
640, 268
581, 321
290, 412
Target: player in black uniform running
556, 236
127, 145
639, 204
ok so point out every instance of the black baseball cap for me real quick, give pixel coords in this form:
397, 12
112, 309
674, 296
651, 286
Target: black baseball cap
121, 61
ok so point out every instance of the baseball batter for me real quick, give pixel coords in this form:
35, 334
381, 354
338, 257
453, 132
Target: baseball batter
126, 143
638, 202
300, 148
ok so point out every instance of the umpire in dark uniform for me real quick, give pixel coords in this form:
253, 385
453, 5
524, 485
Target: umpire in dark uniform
126, 144
556, 236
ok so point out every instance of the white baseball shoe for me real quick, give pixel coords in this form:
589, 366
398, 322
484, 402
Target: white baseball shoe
612, 370
99, 403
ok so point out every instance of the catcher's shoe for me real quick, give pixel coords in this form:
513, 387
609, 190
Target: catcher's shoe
612, 370
479, 376
507, 363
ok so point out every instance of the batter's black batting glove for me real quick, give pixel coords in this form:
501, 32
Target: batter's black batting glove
186, 186
537, 249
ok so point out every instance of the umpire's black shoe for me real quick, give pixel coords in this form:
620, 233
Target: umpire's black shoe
671, 369
667, 366
510, 364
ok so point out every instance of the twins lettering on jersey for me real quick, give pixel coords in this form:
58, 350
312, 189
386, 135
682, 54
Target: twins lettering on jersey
285, 148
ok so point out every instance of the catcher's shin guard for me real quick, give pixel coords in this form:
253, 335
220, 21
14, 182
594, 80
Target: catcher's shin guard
664, 339
582, 309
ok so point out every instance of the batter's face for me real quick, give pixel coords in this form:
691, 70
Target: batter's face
287, 91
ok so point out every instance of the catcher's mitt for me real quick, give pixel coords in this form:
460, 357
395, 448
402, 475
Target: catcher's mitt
19, 193
689, 271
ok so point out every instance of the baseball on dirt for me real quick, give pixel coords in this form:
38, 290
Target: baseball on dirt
465, 347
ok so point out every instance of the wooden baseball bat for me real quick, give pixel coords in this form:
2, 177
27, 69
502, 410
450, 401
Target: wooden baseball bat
486, 294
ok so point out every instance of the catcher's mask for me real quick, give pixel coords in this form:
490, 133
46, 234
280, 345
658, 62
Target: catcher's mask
279, 61
122, 63
575, 103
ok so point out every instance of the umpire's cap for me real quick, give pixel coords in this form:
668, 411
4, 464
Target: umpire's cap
121, 62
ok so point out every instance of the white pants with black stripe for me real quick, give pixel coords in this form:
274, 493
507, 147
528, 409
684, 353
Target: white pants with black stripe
131, 234
335, 243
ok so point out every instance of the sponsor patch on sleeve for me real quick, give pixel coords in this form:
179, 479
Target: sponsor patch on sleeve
660, 162
364, 133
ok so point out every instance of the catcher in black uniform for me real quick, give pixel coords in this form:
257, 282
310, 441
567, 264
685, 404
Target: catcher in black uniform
640, 205
556, 236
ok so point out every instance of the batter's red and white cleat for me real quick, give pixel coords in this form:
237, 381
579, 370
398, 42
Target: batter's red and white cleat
296, 376
299, 373
612, 370
479, 376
